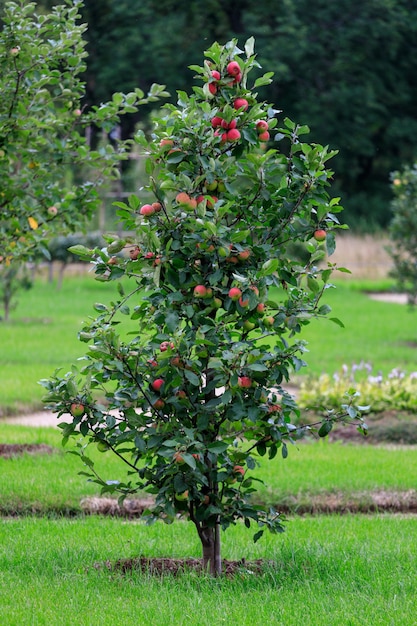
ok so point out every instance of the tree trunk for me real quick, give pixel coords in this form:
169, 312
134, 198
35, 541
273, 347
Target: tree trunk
210, 540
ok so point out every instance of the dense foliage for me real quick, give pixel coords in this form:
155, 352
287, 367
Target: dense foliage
347, 69
196, 391
48, 170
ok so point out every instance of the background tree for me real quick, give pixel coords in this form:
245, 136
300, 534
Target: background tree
346, 69
403, 231
217, 292
49, 173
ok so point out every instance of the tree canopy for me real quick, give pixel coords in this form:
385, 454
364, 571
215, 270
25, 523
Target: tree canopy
346, 69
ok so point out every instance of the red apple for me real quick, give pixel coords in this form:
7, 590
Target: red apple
216, 121
264, 136
166, 142
233, 135
241, 103
238, 469
262, 126
52, 211
320, 235
200, 291
260, 308
157, 206
235, 293
178, 458
243, 303
134, 253
77, 409
216, 75
158, 404
233, 68
244, 382
157, 384
243, 255
146, 210
165, 345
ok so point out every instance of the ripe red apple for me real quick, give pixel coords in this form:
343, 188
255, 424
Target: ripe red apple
260, 307
320, 234
212, 88
274, 408
241, 103
255, 289
244, 255
77, 409
216, 121
200, 291
157, 384
238, 469
146, 210
181, 394
166, 143
233, 68
235, 293
165, 345
244, 382
265, 136
157, 206
243, 303
262, 126
158, 404
233, 135
216, 74
178, 458
134, 253
185, 200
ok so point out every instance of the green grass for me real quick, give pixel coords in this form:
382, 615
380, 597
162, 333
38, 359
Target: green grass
42, 335
353, 570
311, 469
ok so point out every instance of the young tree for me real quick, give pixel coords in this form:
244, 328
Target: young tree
195, 395
49, 173
403, 231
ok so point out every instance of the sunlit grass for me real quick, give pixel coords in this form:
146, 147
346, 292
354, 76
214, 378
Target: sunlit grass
42, 335
333, 571
311, 469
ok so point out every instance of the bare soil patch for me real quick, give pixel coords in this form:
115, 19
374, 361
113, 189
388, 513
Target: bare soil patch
175, 567
9, 450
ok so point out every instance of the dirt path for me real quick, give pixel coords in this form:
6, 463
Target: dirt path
42, 418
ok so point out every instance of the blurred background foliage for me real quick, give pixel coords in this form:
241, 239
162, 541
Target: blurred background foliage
346, 68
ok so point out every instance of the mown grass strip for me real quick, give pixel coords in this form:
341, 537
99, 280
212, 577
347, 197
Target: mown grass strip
310, 479
333, 571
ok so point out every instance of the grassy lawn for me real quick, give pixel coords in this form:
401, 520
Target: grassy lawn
349, 570
42, 335
328, 570
311, 470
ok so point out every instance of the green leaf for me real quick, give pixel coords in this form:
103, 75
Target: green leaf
257, 535
192, 378
337, 321
325, 428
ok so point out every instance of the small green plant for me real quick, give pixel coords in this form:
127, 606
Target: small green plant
396, 391
195, 394
13, 277
403, 231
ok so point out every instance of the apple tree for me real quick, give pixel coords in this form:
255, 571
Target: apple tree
49, 173
184, 378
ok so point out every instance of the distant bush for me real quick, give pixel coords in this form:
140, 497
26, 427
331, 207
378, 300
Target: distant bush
397, 391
